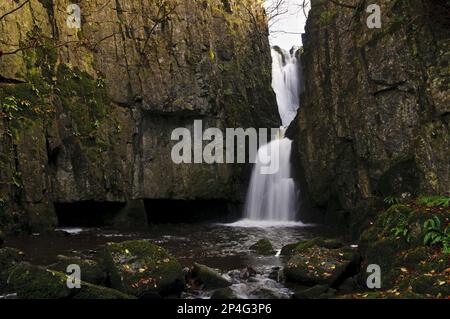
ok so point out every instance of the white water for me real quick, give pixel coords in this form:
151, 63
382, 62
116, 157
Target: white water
272, 199
286, 83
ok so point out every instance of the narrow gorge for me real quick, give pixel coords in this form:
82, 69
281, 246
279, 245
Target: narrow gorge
91, 93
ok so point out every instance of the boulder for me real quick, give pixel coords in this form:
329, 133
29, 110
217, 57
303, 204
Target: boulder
91, 270
263, 247
318, 265
292, 249
90, 291
34, 282
224, 293
142, 269
209, 278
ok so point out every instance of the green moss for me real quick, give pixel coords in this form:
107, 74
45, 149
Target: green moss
317, 265
327, 16
32, 282
92, 271
395, 241
209, 278
139, 267
90, 291
301, 246
263, 247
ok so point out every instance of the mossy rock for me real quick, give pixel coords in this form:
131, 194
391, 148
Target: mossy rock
9, 257
297, 248
318, 265
91, 270
263, 247
140, 268
288, 250
90, 291
301, 246
35, 282
208, 277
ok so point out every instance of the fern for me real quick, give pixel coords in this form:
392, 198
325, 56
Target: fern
431, 201
435, 236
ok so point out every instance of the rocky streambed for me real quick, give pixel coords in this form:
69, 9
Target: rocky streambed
216, 261
167, 261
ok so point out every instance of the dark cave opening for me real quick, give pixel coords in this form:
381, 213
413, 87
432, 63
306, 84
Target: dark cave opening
87, 213
161, 211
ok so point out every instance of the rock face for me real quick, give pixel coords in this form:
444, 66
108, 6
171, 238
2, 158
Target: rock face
87, 114
374, 120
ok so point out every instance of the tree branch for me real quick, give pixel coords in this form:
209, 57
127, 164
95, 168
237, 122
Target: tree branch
14, 10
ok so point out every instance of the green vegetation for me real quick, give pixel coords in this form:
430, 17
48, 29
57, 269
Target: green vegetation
263, 247
436, 235
141, 268
327, 16
410, 242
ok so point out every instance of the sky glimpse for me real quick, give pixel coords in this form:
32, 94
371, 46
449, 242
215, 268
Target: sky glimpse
287, 24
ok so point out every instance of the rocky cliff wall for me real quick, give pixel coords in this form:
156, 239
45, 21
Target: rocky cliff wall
87, 114
374, 121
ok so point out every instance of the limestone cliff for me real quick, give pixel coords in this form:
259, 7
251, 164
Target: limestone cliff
374, 121
86, 114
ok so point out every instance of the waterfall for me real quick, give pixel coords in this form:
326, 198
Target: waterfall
286, 83
273, 198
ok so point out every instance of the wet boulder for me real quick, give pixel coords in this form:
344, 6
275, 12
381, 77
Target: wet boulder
208, 277
35, 282
247, 273
310, 263
224, 293
296, 248
263, 247
91, 270
142, 269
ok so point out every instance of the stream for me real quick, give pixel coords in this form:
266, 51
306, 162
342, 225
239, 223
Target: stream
220, 246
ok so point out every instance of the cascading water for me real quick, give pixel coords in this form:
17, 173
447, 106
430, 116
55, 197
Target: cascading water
273, 197
286, 83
